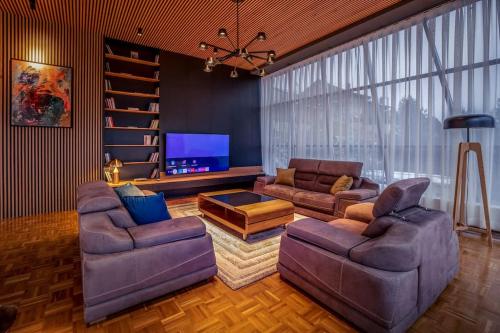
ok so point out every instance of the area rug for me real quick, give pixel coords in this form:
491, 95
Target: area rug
239, 263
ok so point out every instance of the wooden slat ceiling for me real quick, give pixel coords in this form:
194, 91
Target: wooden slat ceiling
179, 25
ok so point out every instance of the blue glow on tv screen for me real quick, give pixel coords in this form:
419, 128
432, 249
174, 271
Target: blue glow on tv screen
194, 153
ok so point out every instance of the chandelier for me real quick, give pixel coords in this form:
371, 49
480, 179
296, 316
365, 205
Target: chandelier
221, 54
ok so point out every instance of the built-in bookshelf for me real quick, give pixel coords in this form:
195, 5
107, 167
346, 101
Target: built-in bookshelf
132, 109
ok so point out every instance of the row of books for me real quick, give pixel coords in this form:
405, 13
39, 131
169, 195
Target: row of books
108, 176
157, 91
155, 173
109, 121
107, 85
157, 75
151, 140
154, 157
133, 54
154, 123
154, 107
110, 102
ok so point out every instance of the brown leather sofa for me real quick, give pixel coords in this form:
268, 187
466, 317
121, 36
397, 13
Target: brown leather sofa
313, 180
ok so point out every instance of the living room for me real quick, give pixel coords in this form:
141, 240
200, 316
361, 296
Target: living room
248, 165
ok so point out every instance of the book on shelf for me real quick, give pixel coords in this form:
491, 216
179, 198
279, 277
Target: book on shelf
109, 121
108, 176
147, 140
154, 123
155, 140
107, 85
155, 173
108, 49
108, 68
157, 58
110, 102
157, 75
107, 158
154, 107
157, 91
134, 54
154, 157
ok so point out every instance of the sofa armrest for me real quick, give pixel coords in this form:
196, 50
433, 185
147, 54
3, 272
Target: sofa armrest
325, 236
370, 185
360, 194
266, 180
169, 231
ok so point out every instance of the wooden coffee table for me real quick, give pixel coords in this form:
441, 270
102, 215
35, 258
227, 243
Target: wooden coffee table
244, 211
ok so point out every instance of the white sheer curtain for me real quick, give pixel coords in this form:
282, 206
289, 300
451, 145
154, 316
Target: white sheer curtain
382, 100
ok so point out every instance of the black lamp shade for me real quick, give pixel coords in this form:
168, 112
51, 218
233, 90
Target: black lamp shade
469, 121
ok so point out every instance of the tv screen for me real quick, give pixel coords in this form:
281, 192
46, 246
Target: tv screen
194, 153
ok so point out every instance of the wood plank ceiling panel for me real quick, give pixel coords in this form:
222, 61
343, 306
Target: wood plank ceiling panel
179, 25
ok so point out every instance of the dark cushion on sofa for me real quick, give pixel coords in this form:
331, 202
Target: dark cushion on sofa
128, 190
400, 195
162, 233
379, 225
147, 209
323, 201
324, 235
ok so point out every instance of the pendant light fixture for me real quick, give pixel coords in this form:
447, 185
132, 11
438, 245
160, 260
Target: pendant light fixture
237, 51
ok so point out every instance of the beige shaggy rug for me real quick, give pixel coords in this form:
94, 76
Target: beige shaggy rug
239, 263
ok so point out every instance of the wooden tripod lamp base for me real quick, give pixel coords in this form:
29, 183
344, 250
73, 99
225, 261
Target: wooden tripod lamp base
460, 223
459, 219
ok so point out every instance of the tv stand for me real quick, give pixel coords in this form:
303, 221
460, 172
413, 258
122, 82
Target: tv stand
195, 183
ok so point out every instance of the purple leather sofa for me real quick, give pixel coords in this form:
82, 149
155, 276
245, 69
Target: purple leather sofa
381, 275
124, 264
313, 180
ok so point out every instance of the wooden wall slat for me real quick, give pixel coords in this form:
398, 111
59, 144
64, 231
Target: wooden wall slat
41, 167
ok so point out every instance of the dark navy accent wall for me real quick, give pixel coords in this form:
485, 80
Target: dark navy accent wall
193, 101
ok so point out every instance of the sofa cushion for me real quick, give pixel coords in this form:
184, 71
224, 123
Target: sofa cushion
90, 188
121, 218
280, 191
167, 232
362, 212
147, 209
306, 172
354, 226
285, 177
330, 171
379, 225
316, 200
400, 195
343, 183
324, 235
128, 190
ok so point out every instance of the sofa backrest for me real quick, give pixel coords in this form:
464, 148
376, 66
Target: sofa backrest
320, 175
400, 195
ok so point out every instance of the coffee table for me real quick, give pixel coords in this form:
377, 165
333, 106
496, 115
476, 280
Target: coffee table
245, 212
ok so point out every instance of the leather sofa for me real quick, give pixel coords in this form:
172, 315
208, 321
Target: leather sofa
124, 264
382, 273
313, 180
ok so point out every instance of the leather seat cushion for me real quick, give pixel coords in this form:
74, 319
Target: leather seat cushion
323, 201
280, 191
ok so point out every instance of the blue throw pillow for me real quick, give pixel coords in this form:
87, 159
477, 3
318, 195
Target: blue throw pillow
128, 190
147, 209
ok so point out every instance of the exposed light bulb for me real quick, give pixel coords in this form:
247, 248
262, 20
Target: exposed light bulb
261, 36
262, 72
203, 46
234, 73
222, 33
207, 69
140, 32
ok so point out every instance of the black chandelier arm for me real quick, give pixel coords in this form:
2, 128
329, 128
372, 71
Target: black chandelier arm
219, 48
226, 57
251, 63
257, 52
256, 56
230, 42
249, 43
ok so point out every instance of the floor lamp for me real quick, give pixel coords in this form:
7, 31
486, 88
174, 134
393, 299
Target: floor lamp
469, 121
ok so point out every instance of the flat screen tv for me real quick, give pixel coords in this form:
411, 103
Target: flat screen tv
195, 153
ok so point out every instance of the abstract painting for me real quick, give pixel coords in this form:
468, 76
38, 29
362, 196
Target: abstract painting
41, 94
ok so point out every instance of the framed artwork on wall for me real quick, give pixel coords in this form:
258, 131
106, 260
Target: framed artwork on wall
41, 94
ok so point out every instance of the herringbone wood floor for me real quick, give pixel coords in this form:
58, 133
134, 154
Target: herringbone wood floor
40, 272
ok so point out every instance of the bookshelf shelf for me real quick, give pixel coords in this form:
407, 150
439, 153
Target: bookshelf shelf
132, 111
132, 60
131, 77
129, 93
132, 128
139, 163
133, 146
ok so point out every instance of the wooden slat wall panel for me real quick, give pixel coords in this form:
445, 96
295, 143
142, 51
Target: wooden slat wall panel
178, 25
41, 167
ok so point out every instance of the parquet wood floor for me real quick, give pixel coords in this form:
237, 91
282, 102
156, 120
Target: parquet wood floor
40, 272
